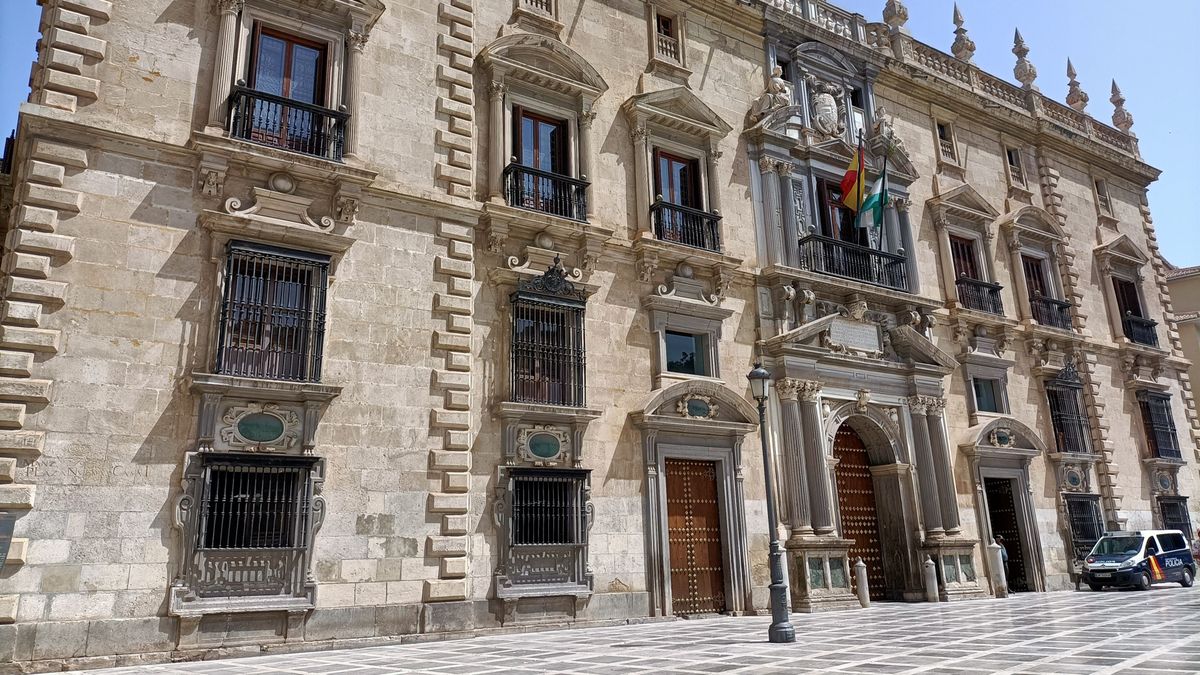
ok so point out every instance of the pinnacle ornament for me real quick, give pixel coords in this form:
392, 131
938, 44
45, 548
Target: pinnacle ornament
1076, 98
1024, 70
1121, 118
963, 47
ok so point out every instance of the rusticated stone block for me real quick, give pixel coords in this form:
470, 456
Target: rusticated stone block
456, 482
61, 59
454, 523
101, 9
22, 313
22, 389
38, 290
456, 268
21, 441
59, 153
454, 568
16, 363
12, 416
444, 503
83, 87
27, 265
33, 339
451, 419
36, 218
452, 341
45, 172
54, 197
53, 245
84, 44
442, 590
17, 496
453, 230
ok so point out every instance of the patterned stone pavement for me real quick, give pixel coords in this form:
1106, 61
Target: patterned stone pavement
1039, 633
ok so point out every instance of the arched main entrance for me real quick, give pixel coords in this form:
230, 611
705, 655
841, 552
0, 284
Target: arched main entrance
856, 502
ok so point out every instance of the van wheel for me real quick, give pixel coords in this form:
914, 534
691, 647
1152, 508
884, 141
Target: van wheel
1096, 587
1144, 582
1186, 579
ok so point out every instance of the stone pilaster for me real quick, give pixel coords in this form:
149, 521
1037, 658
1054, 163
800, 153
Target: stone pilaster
819, 490
943, 463
456, 99
453, 381
354, 55
795, 483
223, 67
931, 508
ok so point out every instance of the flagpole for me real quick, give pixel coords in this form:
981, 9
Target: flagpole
883, 196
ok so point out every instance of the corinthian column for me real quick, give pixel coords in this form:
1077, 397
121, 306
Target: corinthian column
795, 483
918, 407
772, 209
223, 68
358, 42
496, 143
943, 464
819, 495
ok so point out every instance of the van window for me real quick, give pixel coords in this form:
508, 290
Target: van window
1171, 542
1118, 546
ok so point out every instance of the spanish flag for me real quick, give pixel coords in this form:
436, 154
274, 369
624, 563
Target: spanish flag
853, 183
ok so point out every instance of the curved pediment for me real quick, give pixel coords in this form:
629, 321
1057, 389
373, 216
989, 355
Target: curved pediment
677, 108
1034, 221
723, 404
542, 61
1004, 435
818, 52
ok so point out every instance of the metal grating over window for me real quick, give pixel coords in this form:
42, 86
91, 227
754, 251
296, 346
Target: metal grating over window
1086, 524
1071, 430
272, 313
255, 504
1175, 515
547, 508
548, 351
1159, 425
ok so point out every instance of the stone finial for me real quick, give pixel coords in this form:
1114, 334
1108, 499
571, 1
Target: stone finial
1121, 118
895, 15
1076, 97
1024, 70
963, 47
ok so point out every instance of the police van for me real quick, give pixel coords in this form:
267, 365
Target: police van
1139, 559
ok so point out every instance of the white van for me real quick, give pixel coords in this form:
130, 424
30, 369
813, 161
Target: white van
1139, 559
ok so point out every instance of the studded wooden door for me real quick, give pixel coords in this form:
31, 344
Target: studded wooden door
1002, 516
694, 537
856, 501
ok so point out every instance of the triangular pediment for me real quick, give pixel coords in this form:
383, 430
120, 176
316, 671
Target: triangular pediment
898, 162
916, 348
835, 149
963, 202
679, 109
1122, 250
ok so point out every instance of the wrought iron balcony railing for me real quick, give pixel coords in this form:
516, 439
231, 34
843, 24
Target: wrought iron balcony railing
536, 190
982, 296
1139, 330
1051, 312
287, 124
843, 259
687, 226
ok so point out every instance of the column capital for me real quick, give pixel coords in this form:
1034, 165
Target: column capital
496, 90
788, 388
357, 40
808, 390
639, 134
783, 168
919, 404
586, 118
230, 6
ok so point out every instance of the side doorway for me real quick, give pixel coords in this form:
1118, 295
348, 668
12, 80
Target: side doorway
694, 538
1005, 506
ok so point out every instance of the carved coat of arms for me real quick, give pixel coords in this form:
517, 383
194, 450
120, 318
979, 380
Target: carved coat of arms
828, 106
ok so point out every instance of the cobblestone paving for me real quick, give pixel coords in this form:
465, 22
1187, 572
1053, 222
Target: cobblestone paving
1039, 633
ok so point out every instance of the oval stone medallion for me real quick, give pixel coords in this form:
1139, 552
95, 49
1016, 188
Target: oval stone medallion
697, 407
260, 427
544, 446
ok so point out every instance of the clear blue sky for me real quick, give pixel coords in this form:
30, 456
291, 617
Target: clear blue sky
1148, 48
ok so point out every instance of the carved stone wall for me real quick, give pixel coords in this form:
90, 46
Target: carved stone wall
456, 97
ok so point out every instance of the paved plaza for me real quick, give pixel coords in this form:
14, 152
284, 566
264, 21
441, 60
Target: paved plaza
1043, 633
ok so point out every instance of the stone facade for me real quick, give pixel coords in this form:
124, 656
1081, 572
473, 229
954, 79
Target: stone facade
470, 328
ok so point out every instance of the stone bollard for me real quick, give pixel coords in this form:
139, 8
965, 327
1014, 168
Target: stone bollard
860, 580
996, 567
931, 583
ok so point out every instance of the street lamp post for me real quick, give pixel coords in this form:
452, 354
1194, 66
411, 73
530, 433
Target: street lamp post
781, 629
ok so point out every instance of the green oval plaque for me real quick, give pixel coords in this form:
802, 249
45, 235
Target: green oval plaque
698, 408
260, 427
544, 446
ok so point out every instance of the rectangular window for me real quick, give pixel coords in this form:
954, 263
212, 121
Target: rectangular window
1102, 197
546, 508
666, 38
1015, 170
946, 142
288, 66
272, 314
547, 352
989, 396
1071, 429
837, 221
1035, 277
255, 503
540, 142
1128, 301
677, 180
686, 353
966, 265
1086, 524
1159, 424
858, 118
1175, 516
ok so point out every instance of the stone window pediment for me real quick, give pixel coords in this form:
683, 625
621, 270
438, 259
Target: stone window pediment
677, 110
963, 204
543, 62
1121, 252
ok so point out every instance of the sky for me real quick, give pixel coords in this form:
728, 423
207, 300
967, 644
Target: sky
1147, 47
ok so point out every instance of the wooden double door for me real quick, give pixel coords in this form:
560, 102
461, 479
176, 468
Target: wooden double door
694, 537
856, 502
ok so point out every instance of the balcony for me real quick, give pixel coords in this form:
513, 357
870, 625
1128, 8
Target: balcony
545, 192
286, 124
687, 226
982, 296
843, 259
1051, 312
1139, 330
667, 47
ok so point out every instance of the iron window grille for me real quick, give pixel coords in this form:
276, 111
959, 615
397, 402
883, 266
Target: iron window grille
547, 508
548, 352
255, 524
545, 515
1071, 429
272, 313
1159, 425
1175, 516
1087, 526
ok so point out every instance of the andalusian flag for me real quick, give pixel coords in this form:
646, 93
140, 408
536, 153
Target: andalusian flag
871, 215
853, 181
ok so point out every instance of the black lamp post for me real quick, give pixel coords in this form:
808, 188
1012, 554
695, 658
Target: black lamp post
781, 629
